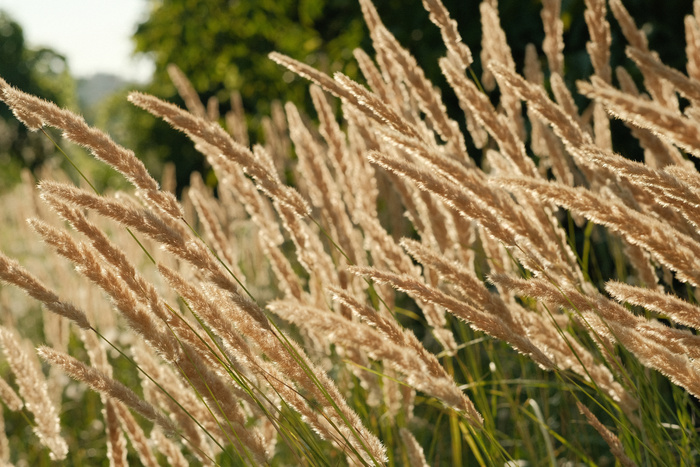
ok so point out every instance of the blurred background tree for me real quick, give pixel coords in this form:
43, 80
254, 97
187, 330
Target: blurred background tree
39, 71
222, 46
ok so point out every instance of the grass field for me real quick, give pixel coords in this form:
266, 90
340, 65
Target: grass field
387, 285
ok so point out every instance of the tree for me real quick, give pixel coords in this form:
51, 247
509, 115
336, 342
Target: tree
222, 46
42, 72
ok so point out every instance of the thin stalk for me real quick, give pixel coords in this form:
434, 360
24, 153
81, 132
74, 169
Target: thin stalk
150, 378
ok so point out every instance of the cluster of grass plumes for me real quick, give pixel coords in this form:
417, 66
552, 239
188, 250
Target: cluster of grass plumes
266, 324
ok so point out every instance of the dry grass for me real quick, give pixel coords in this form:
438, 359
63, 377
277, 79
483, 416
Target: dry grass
301, 328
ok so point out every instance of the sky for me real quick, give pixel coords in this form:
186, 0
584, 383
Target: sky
95, 35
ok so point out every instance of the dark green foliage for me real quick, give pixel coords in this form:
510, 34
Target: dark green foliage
222, 46
42, 72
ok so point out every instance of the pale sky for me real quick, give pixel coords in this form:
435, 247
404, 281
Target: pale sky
95, 35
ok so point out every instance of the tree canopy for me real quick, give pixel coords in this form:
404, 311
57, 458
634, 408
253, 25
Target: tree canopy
39, 71
222, 46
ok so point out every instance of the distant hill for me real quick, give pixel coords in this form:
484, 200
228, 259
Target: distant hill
91, 91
